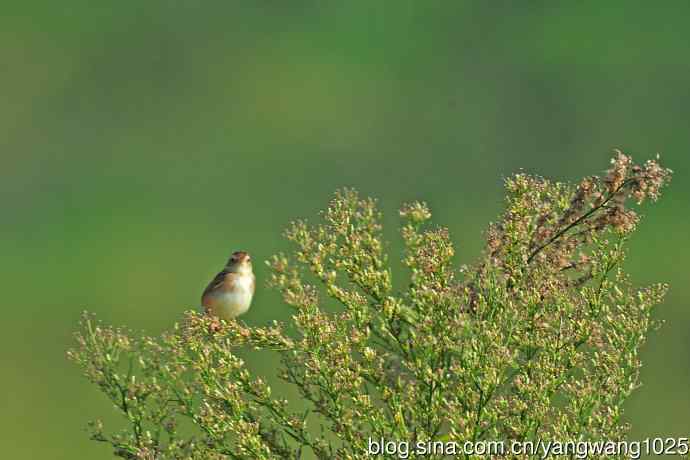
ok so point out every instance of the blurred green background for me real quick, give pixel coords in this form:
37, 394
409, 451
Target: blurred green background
142, 142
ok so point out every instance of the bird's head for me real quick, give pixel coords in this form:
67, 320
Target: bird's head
239, 262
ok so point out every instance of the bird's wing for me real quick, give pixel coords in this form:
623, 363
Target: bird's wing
213, 285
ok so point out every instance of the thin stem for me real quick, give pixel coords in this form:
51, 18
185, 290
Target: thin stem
577, 221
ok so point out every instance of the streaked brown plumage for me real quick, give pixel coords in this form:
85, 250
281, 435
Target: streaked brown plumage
230, 293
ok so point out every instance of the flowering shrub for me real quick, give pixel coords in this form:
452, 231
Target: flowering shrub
538, 340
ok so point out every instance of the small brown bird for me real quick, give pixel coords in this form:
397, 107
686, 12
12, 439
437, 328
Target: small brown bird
230, 293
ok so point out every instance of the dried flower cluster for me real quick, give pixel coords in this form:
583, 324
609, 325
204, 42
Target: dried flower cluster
538, 340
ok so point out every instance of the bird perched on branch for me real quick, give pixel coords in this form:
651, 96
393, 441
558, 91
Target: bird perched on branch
230, 293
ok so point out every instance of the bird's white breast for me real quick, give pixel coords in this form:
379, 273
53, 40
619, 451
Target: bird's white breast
235, 302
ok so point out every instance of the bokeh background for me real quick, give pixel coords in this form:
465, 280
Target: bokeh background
142, 142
